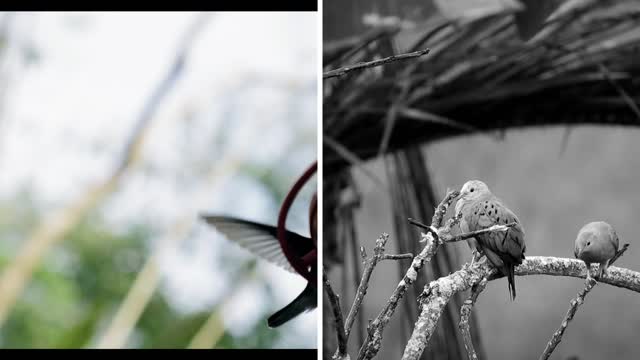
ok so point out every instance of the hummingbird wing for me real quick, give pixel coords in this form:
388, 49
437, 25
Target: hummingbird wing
260, 239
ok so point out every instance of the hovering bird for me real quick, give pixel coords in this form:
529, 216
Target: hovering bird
597, 242
480, 210
289, 250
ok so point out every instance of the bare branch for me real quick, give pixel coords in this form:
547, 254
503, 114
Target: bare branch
575, 303
434, 299
368, 64
625, 96
438, 293
334, 300
444, 237
378, 254
374, 332
353, 159
471, 234
397, 257
465, 311
442, 208
417, 223
618, 254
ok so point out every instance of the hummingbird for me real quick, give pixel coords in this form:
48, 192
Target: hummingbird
262, 240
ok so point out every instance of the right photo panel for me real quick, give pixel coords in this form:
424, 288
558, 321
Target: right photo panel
480, 179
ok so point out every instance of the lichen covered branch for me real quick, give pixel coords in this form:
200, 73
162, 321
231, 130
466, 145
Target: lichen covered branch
373, 341
334, 300
434, 299
573, 308
465, 311
438, 293
378, 254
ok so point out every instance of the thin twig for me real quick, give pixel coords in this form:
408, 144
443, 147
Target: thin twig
353, 159
374, 332
397, 257
443, 237
417, 223
465, 311
465, 236
625, 96
334, 300
618, 254
575, 304
378, 254
368, 64
392, 115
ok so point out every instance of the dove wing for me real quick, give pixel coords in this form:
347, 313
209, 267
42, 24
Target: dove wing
614, 238
488, 212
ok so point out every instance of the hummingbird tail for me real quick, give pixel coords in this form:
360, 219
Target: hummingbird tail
307, 300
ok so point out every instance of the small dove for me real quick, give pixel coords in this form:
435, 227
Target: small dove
597, 242
480, 210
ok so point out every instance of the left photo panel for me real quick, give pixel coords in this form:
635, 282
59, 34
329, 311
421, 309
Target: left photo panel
159, 185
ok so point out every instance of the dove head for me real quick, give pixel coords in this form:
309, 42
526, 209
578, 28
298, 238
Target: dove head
593, 240
473, 189
584, 248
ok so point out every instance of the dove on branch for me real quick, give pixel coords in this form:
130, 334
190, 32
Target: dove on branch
597, 242
480, 210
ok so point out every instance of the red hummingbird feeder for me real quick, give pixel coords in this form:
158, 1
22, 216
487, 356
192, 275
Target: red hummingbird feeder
304, 265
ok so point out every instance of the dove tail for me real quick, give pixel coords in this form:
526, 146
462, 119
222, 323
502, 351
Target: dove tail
306, 301
512, 281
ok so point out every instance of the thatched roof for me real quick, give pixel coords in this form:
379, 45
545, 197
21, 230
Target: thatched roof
581, 67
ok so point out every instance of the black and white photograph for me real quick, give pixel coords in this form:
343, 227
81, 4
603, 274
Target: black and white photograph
480, 179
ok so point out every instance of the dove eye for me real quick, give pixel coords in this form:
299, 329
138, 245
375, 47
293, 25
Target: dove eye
588, 243
471, 190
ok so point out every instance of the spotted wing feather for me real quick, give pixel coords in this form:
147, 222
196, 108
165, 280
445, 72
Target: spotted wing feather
504, 249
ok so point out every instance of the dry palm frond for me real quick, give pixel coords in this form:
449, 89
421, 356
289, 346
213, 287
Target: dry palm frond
481, 76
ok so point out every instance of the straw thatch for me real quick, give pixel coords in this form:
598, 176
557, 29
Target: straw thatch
579, 68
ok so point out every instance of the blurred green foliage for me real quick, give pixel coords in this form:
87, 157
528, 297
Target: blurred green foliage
76, 291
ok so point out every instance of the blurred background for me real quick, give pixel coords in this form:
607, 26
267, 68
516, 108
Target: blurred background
116, 131
553, 134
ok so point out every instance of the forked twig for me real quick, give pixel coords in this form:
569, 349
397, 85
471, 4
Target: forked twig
334, 300
378, 254
573, 308
374, 332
